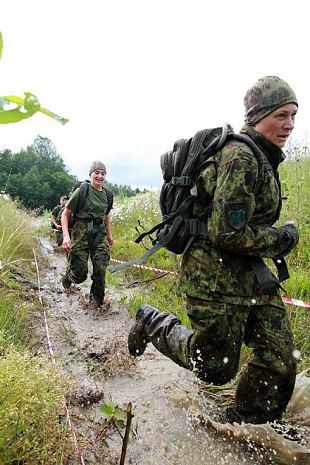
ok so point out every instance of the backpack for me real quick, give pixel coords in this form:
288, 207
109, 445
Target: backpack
84, 189
71, 220
180, 168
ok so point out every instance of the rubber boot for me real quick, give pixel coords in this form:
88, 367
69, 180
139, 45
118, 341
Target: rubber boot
165, 332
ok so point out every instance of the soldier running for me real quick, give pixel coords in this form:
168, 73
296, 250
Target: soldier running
232, 297
91, 235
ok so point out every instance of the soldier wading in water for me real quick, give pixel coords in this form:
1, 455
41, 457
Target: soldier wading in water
232, 297
91, 235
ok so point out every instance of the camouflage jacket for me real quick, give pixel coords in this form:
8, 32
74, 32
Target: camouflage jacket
246, 194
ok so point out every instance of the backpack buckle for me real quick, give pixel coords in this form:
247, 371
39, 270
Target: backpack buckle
198, 228
182, 181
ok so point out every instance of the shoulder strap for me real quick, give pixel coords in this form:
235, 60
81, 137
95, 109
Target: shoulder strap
84, 188
109, 194
256, 150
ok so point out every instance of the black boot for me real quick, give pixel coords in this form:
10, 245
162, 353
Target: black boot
66, 282
137, 339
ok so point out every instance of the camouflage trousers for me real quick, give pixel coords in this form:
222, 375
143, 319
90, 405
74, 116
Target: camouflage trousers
58, 237
77, 268
212, 350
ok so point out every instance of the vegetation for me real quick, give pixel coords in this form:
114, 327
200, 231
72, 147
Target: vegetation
164, 294
31, 392
29, 411
37, 176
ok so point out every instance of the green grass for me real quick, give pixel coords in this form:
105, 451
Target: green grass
31, 401
31, 392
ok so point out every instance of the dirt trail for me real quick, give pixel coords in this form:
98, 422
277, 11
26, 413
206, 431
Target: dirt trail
91, 348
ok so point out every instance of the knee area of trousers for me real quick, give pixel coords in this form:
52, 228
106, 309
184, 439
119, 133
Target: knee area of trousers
77, 279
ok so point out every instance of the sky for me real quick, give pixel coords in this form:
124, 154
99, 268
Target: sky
133, 76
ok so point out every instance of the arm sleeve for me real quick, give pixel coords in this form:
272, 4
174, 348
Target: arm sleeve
73, 201
230, 226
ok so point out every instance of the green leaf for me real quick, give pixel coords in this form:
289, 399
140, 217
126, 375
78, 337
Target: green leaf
24, 109
120, 424
1, 44
107, 410
113, 412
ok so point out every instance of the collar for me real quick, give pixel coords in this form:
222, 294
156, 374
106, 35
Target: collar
273, 153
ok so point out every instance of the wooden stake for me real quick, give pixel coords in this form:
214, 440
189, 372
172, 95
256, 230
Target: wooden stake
127, 431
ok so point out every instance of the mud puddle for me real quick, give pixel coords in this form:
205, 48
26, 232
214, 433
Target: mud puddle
173, 414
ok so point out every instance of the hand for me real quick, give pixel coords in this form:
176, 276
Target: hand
290, 222
110, 240
66, 244
59, 226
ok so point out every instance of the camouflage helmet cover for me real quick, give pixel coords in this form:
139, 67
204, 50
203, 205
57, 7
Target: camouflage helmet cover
97, 165
265, 96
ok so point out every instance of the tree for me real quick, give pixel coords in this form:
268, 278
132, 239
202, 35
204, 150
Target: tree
36, 176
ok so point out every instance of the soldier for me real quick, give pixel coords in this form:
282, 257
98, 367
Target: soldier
91, 235
55, 212
58, 232
232, 297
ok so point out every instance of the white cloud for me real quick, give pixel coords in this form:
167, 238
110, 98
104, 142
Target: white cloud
132, 77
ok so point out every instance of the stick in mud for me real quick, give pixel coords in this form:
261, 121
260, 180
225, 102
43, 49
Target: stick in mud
127, 431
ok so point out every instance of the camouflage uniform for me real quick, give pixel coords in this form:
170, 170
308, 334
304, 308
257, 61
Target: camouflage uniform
82, 239
225, 303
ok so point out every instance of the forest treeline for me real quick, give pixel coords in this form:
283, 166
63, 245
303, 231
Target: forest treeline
37, 176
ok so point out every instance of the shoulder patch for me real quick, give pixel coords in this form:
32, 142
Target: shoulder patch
236, 219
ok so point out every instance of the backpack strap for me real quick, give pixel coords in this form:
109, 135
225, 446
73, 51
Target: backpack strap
84, 189
109, 194
161, 243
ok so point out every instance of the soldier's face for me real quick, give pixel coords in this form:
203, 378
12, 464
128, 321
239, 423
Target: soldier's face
278, 126
97, 178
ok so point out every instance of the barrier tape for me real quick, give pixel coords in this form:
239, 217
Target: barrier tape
51, 352
298, 303
288, 300
144, 267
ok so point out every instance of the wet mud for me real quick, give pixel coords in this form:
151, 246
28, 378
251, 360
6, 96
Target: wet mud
176, 420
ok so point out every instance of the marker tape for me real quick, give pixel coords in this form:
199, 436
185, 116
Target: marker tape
288, 300
297, 302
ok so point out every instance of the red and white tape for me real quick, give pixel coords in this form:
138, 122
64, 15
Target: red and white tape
144, 267
288, 300
298, 303
51, 352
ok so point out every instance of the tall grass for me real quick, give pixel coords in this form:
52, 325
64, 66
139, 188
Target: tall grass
31, 392
30, 406
164, 294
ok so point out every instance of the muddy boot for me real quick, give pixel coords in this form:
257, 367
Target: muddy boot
66, 282
164, 331
137, 339
95, 301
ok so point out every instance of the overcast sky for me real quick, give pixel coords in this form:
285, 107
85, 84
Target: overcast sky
133, 76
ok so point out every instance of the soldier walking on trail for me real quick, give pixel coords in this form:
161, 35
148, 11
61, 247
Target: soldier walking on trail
232, 297
91, 234
55, 212
58, 228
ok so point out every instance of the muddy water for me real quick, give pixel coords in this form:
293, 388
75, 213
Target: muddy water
173, 415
